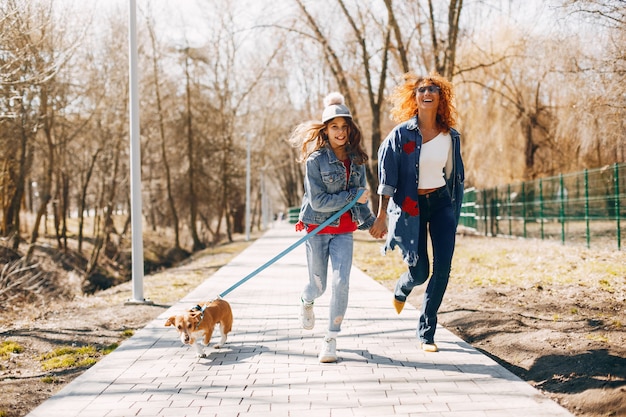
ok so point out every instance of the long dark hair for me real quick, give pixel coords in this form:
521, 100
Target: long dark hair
310, 137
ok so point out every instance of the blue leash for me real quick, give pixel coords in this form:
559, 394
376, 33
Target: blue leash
292, 247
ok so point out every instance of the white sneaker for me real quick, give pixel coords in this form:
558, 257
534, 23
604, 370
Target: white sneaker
307, 316
329, 351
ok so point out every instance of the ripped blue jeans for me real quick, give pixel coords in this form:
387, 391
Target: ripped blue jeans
319, 249
437, 221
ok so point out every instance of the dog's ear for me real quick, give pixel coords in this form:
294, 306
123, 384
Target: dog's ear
194, 317
170, 321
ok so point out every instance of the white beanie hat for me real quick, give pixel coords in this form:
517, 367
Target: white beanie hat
334, 107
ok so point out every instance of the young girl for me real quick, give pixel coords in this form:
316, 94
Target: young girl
335, 172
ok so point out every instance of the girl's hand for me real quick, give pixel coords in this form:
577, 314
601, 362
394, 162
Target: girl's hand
364, 197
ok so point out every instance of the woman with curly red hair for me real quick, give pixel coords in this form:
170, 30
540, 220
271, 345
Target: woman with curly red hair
421, 178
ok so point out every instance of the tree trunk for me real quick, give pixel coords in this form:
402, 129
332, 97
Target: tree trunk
168, 175
400, 48
191, 177
13, 211
444, 50
83, 199
46, 191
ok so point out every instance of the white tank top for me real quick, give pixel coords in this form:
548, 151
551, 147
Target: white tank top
433, 160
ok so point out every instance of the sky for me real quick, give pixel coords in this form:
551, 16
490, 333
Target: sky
185, 18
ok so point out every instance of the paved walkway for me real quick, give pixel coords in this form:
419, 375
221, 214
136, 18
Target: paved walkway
270, 365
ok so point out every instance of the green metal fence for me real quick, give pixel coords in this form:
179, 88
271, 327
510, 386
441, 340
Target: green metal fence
583, 207
292, 214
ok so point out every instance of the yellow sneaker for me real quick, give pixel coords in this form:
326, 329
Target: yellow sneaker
398, 305
429, 347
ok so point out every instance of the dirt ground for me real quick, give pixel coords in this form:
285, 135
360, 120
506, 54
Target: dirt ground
553, 315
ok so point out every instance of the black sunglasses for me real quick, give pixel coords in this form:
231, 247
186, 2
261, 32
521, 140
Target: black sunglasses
431, 89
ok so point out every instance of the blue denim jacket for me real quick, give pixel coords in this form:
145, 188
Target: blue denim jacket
325, 191
398, 175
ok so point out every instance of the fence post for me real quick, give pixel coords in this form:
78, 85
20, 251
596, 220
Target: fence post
496, 212
617, 205
486, 212
587, 207
562, 208
541, 207
508, 203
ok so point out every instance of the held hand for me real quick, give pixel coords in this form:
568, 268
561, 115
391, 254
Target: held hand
364, 197
379, 228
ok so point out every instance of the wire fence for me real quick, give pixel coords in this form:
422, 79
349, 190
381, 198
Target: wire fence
587, 207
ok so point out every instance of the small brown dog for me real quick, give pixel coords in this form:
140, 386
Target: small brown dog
197, 324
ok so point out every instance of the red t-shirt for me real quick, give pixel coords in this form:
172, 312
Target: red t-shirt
346, 225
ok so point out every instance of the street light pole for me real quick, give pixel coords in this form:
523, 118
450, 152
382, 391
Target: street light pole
135, 165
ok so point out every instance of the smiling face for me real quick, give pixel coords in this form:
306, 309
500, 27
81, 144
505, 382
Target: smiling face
338, 132
427, 96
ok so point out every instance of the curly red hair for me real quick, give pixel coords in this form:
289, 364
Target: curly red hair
403, 99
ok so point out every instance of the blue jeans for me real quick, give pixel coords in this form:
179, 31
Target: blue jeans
319, 249
437, 219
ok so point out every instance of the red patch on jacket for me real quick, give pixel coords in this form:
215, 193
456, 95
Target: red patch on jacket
409, 147
410, 206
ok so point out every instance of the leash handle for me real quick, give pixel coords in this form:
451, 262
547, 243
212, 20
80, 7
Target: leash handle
293, 246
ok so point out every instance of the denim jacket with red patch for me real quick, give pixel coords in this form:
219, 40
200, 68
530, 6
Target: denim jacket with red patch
398, 175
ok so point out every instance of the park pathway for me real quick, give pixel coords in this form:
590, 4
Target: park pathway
270, 365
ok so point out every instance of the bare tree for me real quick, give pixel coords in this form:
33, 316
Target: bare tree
161, 128
444, 47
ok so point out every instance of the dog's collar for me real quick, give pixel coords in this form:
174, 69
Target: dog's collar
201, 310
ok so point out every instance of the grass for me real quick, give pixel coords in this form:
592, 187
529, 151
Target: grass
598, 338
49, 379
173, 284
127, 333
8, 347
518, 265
74, 357
369, 259
489, 262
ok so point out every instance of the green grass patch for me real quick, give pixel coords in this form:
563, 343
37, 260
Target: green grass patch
111, 348
49, 380
126, 333
7, 347
598, 338
69, 357
606, 286
74, 357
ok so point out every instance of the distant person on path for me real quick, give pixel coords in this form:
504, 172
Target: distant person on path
333, 154
421, 178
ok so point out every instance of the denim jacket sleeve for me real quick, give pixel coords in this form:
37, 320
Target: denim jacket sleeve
361, 213
456, 180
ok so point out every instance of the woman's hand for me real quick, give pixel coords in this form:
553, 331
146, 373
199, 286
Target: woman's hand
379, 228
